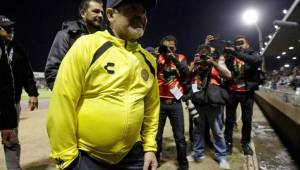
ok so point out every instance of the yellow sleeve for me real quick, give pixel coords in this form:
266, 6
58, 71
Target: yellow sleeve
62, 118
151, 116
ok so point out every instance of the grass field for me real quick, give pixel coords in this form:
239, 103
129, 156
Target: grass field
44, 94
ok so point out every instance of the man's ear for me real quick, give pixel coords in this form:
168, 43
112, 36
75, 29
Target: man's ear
82, 14
110, 14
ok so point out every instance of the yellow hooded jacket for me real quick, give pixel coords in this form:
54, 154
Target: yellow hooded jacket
103, 108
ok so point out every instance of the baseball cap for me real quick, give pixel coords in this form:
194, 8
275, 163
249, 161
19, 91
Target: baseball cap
150, 49
148, 4
5, 22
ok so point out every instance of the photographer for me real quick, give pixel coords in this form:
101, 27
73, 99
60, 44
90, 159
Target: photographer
172, 73
207, 69
244, 64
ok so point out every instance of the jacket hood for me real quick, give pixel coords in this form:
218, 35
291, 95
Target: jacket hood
74, 26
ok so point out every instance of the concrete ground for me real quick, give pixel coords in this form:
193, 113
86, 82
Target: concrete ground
35, 145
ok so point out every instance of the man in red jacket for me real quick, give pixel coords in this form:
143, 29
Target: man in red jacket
172, 71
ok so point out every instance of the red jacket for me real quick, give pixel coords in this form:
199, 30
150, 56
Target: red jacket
215, 77
238, 85
169, 76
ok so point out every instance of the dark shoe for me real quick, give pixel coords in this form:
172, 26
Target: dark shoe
228, 148
183, 167
209, 144
247, 150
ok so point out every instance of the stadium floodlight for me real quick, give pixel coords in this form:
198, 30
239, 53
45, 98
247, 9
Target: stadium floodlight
291, 48
269, 36
250, 16
284, 11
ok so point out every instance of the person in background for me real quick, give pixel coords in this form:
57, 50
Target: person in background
172, 72
22, 78
244, 63
91, 17
207, 69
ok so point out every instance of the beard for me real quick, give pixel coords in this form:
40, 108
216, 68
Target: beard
94, 24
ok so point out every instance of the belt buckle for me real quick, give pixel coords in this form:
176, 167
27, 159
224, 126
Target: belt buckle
169, 101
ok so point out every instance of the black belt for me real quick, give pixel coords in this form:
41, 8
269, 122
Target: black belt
169, 101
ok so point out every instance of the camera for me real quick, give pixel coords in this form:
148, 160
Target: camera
193, 112
162, 49
228, 43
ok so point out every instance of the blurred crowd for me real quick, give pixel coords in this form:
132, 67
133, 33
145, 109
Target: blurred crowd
285, 79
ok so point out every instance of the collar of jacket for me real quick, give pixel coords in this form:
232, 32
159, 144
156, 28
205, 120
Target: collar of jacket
128, 45
75, 26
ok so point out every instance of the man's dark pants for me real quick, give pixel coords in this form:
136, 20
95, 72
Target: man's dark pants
173, 110
246, 100
134, 160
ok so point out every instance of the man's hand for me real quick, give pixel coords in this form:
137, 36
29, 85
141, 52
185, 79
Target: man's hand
209, 39
197, 58
231, 49
33, 103
211, 61
8, 136
150, 161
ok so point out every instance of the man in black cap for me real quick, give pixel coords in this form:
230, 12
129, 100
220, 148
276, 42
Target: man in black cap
104, 107
91, 17
8, 113
22, 78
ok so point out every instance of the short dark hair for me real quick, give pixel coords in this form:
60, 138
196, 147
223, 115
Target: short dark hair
203, 49
84, 4
241, 36
168, 38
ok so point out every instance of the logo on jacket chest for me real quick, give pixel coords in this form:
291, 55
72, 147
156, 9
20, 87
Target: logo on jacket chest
109, 68
145, 74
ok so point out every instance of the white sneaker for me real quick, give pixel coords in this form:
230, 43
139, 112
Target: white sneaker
190, 158
224, 164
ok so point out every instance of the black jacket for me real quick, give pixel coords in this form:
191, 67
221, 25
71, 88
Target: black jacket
8, 112
252, 61
22, 72
71, 30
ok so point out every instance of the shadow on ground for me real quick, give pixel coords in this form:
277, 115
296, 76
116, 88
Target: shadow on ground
43, 164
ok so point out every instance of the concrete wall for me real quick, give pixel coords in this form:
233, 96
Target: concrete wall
285, 119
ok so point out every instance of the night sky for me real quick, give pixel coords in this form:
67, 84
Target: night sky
189, 20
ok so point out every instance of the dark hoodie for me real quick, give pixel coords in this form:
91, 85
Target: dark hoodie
8, 113
22, 72
252, 61
71, 30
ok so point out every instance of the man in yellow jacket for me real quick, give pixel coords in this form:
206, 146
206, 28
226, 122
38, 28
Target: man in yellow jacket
104, 106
